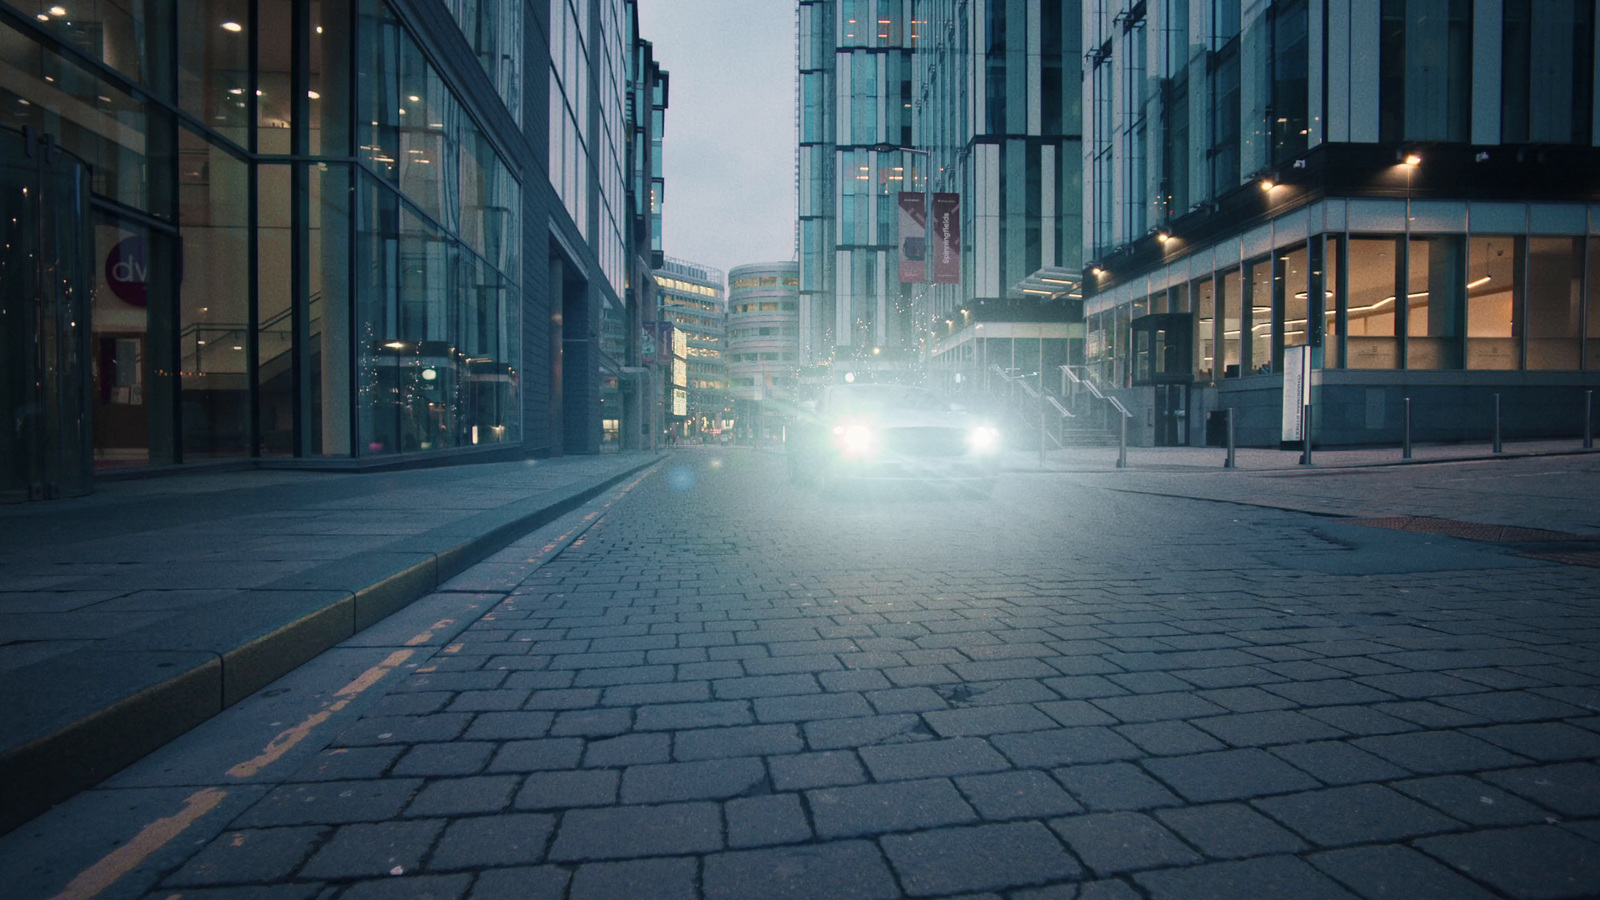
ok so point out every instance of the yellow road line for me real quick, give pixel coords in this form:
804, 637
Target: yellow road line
151, 838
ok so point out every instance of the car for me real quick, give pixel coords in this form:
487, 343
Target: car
890, 433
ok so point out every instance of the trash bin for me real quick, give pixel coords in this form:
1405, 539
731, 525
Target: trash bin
1217, 428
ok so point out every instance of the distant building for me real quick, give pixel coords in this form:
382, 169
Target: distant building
763, 345
1409, 189
692, 299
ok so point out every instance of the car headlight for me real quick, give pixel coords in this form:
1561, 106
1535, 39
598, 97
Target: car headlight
983, 439
855, 439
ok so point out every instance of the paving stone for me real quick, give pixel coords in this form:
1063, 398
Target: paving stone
808, 707
437, 760
624, 675
1169, 738
833, 734
906, 700
1064, 746
863, 680
1003, 693
1420, 685
1266, 876
463, 796
657, 879
986, 857
876, 808
801, 771
1228, 676
1328, 692
986, 720
1157, 707
488, 701
1115, 786
1001, 669
1572, 789
1359, 720
648, 694
1084, 687
370, 850
1543, 741
764, 821
845, 870
706, 671
932, 759
1016, 795
562, 790
913, 675
1429, 714
1246, 699
1335, 762
628, 750
536, 883
574, 698
1537, 861
625, 832
1396, 872
409, 887
1434, 752
1149, 682
251, 856
745, 740
404, 729
533, 756
1263, 728
412, 704
1471, 800
764, 686
509, 726
339, 763
1115, 842
330, 803
1512, 706
1101, 890
591, 723
1230, 831
709, 780
1228, 775
692, 715
1358, 814
1076, 713
512, 839
787, 665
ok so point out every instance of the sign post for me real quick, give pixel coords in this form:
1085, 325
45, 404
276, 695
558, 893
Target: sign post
1296, 395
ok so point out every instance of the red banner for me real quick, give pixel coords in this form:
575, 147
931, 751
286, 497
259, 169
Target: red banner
913, 238
946, 233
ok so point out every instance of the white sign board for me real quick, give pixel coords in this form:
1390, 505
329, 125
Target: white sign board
1296, 391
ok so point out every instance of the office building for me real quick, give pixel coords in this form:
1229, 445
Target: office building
692, 299
765, 357
1407, 188
336, 234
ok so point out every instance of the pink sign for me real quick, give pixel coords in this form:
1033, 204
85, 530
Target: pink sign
127, 271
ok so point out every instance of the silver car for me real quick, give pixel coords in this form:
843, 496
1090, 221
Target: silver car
891, 433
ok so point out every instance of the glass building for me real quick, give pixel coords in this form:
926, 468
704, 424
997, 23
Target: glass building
692, 299
764, 346
343, 233
998, 107
1405, 187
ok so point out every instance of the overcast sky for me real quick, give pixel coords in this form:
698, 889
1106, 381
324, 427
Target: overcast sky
730, 144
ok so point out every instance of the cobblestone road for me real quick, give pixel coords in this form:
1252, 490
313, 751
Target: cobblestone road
732, 688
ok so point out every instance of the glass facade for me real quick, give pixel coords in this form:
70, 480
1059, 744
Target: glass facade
305, 243
692, 298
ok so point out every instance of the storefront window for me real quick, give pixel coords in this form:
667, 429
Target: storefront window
1259, 300
1494, 302
1434, 302
1371, 322
1296, 271
1333, 282
329, 329
1205, 316
113, 33
214, 65
1230, 303
275, 294
1592, 354
214, 331
274, 51
1555, 302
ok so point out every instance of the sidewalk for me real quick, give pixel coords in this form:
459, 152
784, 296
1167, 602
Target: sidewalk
129, 616
1099, 459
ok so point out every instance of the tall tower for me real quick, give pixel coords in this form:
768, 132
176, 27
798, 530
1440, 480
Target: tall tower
855, 59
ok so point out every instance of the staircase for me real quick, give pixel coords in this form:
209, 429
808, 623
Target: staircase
1080, 417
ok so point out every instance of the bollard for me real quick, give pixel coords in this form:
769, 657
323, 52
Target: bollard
1122, 444
1588, 420
1229, 463
1405, 439
1305, 420
1497, 423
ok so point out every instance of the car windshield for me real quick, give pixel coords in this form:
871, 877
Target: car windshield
870, 398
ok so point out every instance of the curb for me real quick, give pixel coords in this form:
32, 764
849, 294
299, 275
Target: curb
77, 719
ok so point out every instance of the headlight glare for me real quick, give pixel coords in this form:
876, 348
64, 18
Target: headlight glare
983, 439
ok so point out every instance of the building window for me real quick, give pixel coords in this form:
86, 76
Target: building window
1435, 299
1372, 343
1555, 298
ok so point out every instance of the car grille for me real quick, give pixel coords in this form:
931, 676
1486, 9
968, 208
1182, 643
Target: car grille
925, 442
